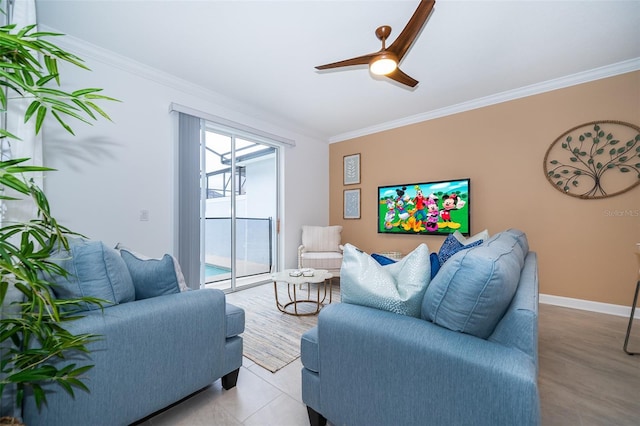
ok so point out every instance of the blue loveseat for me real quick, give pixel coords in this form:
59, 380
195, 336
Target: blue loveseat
156, 346
459, 364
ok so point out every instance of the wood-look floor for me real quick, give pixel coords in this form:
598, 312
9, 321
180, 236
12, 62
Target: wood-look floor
585, 380
585, 377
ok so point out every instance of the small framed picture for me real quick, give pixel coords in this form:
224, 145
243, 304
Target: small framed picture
352, 204
351, 169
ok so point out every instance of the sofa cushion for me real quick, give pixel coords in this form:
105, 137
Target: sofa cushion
321, 260
309, 350
95, 270
151, 277
176, 265
235, 320
474, 287
398, 287
321, 238
451, 246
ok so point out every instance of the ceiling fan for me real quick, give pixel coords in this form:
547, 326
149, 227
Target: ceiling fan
385, 61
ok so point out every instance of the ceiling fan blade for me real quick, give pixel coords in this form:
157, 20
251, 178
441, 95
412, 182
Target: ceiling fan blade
411, 30
403, 78
360, 60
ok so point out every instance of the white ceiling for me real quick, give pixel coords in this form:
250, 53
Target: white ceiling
263, 53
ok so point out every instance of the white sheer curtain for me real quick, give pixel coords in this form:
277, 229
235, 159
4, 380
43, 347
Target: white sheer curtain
21, 13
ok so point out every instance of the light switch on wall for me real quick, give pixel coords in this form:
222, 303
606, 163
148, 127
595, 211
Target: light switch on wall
144, 215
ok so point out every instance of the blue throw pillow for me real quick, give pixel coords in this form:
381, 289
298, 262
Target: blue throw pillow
94, 270
151, 277
473, 289
451, 246
383, 260
435, 264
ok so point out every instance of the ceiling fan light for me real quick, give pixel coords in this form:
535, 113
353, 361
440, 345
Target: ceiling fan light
383, 64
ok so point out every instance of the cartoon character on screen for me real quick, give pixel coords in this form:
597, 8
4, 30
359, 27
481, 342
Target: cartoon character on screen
403, 214
420, 202
432, 215
450, 203
391, 214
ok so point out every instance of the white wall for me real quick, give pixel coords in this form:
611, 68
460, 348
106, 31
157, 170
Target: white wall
109, 172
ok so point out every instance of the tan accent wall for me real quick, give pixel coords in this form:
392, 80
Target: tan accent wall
585, 247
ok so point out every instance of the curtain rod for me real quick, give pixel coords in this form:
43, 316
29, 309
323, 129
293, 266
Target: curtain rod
229, 123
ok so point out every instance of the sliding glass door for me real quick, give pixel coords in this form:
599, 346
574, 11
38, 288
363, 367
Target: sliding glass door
239, 199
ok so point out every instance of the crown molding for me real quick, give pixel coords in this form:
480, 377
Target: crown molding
96, 53
523, 92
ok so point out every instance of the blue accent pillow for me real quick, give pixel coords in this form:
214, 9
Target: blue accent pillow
435, 264
151, 277
383, 260
473, 289
451, 246
94, 270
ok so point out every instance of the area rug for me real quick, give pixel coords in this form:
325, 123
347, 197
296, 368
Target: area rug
271, 338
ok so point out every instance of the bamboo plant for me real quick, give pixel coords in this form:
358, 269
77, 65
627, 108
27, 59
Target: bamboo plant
32, 340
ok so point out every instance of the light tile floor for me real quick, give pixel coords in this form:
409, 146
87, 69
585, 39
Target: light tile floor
260, 398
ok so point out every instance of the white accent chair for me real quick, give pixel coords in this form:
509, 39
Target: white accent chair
321, 248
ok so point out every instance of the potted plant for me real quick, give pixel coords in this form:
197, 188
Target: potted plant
32, 332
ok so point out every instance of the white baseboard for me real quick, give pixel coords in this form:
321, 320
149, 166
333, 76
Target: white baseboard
588, 305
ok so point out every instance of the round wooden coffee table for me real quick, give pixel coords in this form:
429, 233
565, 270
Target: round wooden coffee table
302, 284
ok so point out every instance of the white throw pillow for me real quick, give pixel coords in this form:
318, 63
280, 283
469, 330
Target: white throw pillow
483, 235
398, 287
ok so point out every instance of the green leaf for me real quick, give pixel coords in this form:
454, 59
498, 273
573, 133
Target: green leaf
569, 139
625, 169
553, 162
31, 109
42, 112
573, 159
599, 165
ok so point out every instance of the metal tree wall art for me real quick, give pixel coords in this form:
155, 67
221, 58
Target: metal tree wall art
595, 160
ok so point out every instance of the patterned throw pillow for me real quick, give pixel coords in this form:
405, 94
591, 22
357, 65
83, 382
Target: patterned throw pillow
398, 287
451, 246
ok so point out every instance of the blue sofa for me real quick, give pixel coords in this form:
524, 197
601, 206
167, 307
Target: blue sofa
152, 353
455, 365
157, 344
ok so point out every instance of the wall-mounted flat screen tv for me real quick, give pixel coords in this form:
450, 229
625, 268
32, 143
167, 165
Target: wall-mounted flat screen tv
427, 208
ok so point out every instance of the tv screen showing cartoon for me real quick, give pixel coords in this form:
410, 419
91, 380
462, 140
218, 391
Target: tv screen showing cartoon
428, 208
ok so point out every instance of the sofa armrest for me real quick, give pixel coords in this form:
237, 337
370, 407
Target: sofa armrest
444, 377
